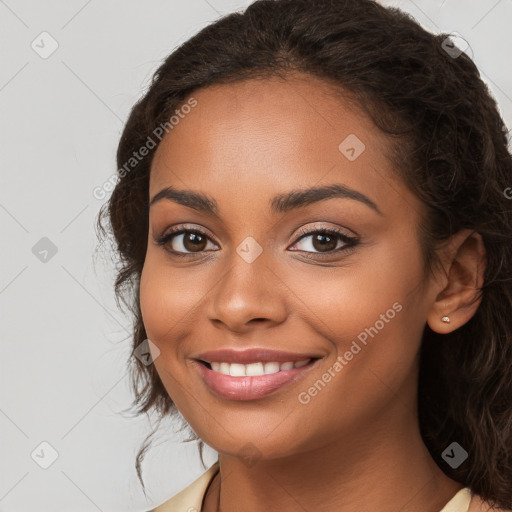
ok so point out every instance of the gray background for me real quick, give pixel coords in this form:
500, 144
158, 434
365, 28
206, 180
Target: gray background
63, 375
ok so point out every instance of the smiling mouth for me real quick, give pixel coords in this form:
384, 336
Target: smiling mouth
255, 380
255, 369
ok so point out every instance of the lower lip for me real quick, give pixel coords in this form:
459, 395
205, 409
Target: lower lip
249, 388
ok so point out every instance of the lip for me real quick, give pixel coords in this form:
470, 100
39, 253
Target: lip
252, 355
250, 388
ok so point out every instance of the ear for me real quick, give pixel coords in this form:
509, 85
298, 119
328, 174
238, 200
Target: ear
459, 295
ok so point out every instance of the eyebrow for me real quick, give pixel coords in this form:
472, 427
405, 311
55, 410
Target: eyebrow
281, 203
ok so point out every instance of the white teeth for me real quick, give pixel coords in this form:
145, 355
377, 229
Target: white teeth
271, 368
237, 370
255, 369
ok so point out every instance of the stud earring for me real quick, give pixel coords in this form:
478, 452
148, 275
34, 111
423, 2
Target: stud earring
445, 319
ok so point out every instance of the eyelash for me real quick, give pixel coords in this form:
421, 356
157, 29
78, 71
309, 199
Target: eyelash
349, 241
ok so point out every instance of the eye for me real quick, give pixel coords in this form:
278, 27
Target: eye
182, 241
325, 241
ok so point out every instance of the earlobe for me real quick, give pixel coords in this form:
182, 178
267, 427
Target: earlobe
458, 301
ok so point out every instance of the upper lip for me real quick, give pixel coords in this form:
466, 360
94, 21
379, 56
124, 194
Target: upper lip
252, 355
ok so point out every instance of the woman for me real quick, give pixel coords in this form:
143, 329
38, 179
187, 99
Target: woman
316, 241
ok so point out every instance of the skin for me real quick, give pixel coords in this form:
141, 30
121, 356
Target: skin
356, 445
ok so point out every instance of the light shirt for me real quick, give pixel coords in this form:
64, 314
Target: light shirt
190, 499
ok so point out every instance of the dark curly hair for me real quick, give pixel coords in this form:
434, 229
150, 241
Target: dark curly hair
448, 144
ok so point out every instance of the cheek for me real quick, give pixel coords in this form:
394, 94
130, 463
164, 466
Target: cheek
153, 301
342, 301
167, 297
371, 315
165, 302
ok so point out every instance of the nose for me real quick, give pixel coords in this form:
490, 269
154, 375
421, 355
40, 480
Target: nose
248, 294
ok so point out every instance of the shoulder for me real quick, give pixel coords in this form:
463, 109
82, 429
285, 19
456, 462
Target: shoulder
479, 505
190, 498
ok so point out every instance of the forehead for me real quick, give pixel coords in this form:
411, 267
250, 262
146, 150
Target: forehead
279, 116
270, 135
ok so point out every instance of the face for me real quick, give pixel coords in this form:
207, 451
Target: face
333, 276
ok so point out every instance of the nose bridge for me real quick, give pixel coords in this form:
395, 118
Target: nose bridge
248, 290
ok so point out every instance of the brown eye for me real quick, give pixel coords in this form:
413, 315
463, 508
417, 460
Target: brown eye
324, 241
185, 241
194, 242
